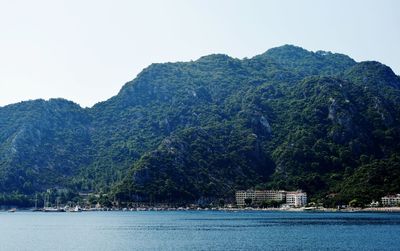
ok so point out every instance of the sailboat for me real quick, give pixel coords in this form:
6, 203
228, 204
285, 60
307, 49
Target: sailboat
36, 209
51, 209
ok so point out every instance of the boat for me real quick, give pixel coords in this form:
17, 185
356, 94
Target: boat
36, 209
48, 209
12, 210
76, 209
53, 210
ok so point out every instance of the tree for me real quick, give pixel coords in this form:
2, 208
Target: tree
248, 201
356, 203
221, 202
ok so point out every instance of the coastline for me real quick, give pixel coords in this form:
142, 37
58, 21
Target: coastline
248, 209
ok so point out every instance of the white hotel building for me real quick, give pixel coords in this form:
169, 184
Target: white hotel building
292, 198
296, 198
391, 200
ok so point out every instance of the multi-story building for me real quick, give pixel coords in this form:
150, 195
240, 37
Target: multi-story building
296, 198
391, 200
258, 196
242, 195
265, 195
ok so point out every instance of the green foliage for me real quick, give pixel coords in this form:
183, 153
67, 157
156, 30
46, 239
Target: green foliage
42, 144
356, 203
197, 131
271, 203
248, 201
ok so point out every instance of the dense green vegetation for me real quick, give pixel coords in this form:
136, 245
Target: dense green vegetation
196, 131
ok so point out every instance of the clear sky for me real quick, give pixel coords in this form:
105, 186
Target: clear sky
85, 50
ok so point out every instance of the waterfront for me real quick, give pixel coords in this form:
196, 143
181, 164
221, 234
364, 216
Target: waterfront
205, 230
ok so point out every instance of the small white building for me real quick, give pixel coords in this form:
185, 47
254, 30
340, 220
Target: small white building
296, 198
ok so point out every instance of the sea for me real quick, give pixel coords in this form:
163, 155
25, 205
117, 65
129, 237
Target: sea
199, 230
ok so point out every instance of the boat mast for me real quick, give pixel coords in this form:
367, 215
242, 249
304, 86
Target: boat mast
36, 201
44, 201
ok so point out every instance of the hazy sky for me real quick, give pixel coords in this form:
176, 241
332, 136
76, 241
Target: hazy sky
85, 51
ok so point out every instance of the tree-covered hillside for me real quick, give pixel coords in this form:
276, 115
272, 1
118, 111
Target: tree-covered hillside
180, 132
42, 145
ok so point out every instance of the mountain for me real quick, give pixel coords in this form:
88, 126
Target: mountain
42, 145
197, 131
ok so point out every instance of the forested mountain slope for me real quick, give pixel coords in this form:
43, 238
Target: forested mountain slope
179, 132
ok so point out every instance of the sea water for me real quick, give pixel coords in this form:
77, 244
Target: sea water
199, 230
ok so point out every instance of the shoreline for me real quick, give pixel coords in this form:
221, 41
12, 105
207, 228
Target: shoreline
310, 210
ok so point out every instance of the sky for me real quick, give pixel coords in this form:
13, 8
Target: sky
86, 50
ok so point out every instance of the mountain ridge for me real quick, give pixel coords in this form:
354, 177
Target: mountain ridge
287, 118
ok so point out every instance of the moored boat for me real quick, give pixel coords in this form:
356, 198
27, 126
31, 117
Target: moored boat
76, 209
53, 210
